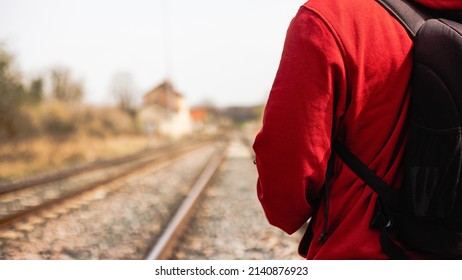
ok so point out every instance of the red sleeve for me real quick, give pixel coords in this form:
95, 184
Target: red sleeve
293, 146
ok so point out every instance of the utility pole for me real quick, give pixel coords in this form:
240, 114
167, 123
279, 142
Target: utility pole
168, 56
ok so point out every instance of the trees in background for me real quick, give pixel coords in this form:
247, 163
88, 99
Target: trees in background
12, 95
123, 91
36, 91
17, 97
46, 105
64, 88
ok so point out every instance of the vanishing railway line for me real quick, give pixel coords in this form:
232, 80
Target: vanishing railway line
227, 222
125, 210
165, 243
26, 198
194, 201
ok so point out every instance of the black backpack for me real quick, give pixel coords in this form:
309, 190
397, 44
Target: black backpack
426, 213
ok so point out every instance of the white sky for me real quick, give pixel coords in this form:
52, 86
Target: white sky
223, 51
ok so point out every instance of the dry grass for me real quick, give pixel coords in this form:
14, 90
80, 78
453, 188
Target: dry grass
28, 157
54, 135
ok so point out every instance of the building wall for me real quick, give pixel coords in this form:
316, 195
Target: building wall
157, 121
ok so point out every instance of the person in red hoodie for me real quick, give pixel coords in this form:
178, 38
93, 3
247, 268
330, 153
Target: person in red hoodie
343, 74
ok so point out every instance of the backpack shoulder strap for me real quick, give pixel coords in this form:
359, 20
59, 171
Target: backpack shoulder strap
411, 16
386, 202
363, 172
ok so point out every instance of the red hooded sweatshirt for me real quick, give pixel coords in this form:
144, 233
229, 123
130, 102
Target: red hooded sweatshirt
344, 73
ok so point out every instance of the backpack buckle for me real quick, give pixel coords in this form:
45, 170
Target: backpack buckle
380, 219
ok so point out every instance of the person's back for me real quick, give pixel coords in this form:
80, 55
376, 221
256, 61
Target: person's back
344, 73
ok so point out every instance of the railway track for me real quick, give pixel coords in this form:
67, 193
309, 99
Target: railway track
86, 168
30, 197
116, 221
186, 207
228, 222
163, 248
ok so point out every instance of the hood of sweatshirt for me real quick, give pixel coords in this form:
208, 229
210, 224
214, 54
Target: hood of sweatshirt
455, 5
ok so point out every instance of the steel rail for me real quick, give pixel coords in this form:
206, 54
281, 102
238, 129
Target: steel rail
72, 172
170, 155
68, 173
167, 240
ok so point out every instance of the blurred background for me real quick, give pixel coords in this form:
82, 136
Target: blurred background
76, 75
87, 82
